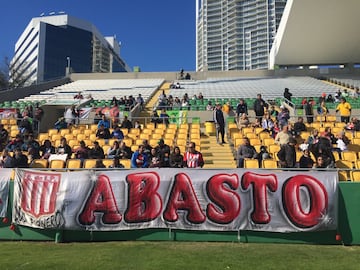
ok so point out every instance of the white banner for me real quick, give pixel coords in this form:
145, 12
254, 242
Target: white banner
84, 113
4, 190
191, 199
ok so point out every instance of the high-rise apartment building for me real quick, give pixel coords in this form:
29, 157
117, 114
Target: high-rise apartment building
50, 45
235, 34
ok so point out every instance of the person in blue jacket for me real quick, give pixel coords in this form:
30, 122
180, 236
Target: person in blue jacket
139, 158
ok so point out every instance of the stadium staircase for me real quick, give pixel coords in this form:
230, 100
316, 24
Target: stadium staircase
151, 104
215, 155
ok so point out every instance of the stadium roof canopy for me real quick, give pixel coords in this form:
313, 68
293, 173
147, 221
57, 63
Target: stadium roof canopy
317, 32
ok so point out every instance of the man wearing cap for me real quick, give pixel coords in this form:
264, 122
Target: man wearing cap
219, 123
287, 154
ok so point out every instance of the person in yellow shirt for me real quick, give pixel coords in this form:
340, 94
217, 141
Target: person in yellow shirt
345, 110
226, 108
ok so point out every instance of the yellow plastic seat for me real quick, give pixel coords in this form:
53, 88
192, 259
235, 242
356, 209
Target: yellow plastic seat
264, 135
73, 163
251, 163
194, 136
237, 135
156, 136
89, 163
43, 136
269, 164
247, 130
106, 147
52, 132
93, 128
39, 163
255, 141
108, 161
55, 137
305, 135
355, 176
181, 142
331, 118
169, 142
135, 131
147, 131
92, 137
169, 136
57, 164
125, 131
349, 155
268, 141
298, 155
128, 141
344, 164
81, 137
274, 148
63, 132
182, 136
134, 147
343, 175
251, 135
144, 136
340, 124
238, 142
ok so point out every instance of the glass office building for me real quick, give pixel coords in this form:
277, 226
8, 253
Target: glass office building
50, 46
235, 34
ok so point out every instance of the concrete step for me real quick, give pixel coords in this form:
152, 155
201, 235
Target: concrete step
216, 155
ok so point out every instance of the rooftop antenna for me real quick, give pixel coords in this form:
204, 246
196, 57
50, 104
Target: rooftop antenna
42, 14
52, 13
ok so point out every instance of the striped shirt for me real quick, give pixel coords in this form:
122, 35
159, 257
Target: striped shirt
193, 160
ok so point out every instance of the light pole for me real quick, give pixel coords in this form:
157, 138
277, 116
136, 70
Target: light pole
68, 65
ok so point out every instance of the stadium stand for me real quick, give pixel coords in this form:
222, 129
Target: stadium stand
194, 127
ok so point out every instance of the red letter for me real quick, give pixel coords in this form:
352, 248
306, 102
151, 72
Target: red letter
144, 203
259, 183
318, 200
227, 201
183, 197
101, 200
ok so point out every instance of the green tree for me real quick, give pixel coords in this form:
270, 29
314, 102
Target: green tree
11, 76
4, 77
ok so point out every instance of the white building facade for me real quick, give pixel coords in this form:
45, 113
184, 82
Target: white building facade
50, 45
235, 34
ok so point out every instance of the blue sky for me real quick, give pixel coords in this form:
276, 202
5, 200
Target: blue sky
155, 35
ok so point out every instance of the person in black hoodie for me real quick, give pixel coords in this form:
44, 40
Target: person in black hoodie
220, 124
20, 160
287, 154
287, 94
259, 107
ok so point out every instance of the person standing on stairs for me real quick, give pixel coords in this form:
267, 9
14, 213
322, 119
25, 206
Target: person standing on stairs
219, 124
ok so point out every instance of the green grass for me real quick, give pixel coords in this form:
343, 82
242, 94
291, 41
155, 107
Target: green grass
175, 255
